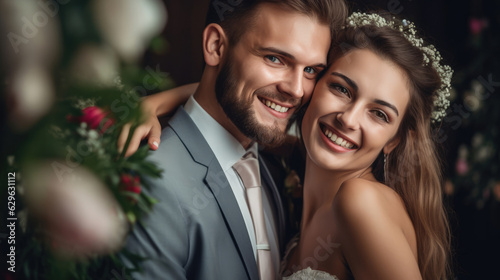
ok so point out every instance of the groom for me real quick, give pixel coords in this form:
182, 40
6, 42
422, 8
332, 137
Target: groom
262, 59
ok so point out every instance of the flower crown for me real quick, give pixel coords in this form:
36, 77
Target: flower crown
431, 55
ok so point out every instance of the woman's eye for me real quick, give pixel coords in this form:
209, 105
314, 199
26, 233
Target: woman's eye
273, 59
341, 89
381, 115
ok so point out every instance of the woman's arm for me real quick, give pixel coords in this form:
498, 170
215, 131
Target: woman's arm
155, 105
372, 222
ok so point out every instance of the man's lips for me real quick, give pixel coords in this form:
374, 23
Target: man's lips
275, 105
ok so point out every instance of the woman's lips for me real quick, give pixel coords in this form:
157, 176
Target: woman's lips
338, 138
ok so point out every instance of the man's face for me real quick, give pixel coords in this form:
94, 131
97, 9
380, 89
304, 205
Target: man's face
271, 72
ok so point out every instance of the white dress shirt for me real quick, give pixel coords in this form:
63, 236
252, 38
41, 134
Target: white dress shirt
228, 151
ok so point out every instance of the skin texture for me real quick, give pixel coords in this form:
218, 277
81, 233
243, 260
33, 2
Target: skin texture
343, 202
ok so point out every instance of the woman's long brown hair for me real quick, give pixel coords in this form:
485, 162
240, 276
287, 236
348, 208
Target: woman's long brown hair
413, 167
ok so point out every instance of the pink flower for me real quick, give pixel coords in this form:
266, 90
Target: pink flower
477, 25
461, 167
131, 184
94, 117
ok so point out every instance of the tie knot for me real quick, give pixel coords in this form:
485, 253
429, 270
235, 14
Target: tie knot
248, 170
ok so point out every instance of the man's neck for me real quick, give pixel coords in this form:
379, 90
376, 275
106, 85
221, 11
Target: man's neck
205, 96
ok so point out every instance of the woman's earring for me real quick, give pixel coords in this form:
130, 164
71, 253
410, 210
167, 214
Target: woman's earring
385, 169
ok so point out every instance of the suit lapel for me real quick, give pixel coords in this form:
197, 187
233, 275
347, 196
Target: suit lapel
216, 181
218, 184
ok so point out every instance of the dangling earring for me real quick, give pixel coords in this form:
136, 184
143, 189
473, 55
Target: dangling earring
385, 169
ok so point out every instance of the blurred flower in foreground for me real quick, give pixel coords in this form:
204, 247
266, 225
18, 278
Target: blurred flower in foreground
31, 94
131, 185
30, 49
132, 26
95, 118
95, 64
82, 217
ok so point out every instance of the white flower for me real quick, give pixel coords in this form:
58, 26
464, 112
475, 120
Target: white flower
28, 51
472, 101
32, 32
80, 216
129, 25
463, 151
32, 92
477, 88
484, 153
95, 64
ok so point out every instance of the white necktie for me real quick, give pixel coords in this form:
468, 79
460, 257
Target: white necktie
248, 170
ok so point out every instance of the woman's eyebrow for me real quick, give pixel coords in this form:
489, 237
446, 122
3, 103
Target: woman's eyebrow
387, 104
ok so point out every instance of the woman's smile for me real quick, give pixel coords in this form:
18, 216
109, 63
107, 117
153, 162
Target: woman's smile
338, 139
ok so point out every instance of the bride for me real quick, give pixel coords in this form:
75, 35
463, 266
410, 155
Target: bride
372, 186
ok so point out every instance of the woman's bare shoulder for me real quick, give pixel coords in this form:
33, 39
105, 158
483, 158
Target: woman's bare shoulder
376, 233
360, 199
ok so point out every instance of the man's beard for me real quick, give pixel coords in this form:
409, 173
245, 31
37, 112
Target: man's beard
241, 112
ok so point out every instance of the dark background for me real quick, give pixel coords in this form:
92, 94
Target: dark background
444, 22
475, 219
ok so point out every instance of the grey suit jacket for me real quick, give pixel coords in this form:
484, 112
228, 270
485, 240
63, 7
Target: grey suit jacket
196, 231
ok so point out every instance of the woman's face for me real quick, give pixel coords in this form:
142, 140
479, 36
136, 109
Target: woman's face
355, 111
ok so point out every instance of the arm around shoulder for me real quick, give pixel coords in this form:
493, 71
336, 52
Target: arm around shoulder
162, 103
372, 240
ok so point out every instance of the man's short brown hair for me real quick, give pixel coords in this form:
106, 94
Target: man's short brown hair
235, 16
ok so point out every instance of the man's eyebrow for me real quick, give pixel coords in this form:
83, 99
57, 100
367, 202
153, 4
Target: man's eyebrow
350, 82
387, 104
278, 51
287, 55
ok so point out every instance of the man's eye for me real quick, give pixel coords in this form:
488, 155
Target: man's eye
273, 59
310, 70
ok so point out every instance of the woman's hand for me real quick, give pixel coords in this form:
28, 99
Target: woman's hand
153, 106
151, 129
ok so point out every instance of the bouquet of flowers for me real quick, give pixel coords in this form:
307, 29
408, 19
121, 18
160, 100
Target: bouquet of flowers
71, 86
80, 194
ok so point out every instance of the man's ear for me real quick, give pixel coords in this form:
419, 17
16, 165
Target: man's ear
214, 44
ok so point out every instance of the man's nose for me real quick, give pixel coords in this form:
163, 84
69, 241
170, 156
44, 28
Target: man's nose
292, 84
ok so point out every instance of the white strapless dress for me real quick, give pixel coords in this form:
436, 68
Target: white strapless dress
310, 274
303, 274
